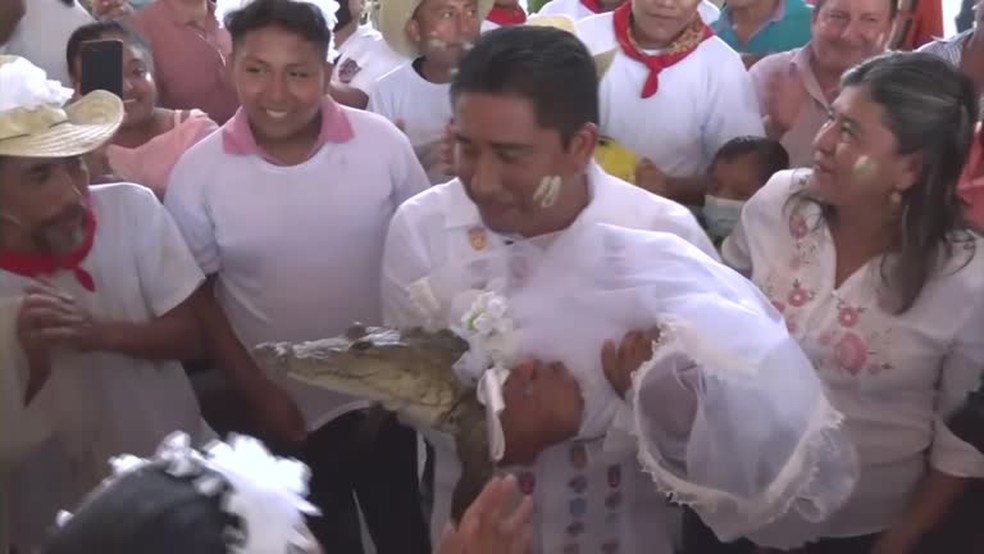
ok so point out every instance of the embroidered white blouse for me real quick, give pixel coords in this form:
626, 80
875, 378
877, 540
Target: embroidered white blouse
894, 377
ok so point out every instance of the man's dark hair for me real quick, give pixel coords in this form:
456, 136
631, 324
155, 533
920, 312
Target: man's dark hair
301, 18
549, 67
893, 8
101, 30
770, 154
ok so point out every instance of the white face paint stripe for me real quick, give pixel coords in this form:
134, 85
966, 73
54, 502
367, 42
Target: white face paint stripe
864, 167
548, 191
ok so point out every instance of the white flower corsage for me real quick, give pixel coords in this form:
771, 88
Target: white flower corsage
490, 334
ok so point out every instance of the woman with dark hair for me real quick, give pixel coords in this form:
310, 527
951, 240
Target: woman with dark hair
870, 261
152, 138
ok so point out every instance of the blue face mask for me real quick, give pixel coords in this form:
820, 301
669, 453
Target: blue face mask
721, 215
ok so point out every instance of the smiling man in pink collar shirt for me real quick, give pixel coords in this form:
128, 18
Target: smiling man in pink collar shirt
286, 209
191, 50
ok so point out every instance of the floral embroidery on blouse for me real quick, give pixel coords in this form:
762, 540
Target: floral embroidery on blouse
848, 342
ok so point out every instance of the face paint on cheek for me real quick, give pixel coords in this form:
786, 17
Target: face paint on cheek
864, 168
549, 190
436, 44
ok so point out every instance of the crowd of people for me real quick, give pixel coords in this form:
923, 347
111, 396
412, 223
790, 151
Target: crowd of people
726, 256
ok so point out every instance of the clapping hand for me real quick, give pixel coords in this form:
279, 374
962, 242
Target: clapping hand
50, 318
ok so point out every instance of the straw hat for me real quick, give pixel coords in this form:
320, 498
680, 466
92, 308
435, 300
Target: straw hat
602, 61
394, 16
35, 121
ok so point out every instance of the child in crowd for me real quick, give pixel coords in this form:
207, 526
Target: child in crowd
741, 167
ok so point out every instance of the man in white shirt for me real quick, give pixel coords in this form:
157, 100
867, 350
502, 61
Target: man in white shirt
286, 209
96, 305
535, 253
525, 129
42, 32
674, 93
435, 34
363, 57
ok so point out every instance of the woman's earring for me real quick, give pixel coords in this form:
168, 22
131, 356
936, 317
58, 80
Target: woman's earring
895, 198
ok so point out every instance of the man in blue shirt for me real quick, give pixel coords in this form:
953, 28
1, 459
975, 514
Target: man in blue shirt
755, 28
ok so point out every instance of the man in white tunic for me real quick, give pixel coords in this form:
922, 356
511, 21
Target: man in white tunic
529, 229
96, 293
674, 93
434, 34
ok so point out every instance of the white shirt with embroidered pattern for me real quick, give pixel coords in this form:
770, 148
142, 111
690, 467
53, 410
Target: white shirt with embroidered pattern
894, 377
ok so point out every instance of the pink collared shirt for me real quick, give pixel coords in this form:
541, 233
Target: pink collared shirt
799, 139
971, 184
238, 139
190, 61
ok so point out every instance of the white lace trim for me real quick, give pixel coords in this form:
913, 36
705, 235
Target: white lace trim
796, 483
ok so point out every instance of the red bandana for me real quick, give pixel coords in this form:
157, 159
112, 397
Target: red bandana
687, 42
30, 264
594, 6
507, 15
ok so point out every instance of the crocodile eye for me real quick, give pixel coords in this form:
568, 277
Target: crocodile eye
356, 331
361, 345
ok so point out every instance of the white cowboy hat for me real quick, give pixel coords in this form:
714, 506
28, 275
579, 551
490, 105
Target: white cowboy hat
602, 61
395, 14
35, 121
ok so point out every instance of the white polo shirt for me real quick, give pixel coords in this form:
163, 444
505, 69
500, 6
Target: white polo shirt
297, 250
363, 59
703, 101
97, 405
422, 107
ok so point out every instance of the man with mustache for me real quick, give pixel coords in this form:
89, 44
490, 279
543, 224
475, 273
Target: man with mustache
96, 305
795, 88
434, 34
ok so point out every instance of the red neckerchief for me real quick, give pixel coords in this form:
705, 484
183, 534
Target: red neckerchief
594, 6
687, 42
507, 15
31, 264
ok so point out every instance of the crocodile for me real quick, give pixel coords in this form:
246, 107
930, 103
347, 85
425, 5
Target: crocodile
407, 371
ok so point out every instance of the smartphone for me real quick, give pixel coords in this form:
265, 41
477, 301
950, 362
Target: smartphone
102, 66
